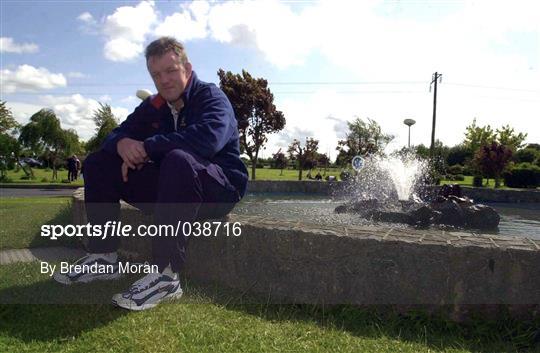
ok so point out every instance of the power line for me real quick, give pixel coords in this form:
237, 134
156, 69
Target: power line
493, 87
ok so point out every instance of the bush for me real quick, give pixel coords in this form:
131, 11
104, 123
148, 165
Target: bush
66, 181
5, 179
27, 177
455, 169
459, 177
345, 175
524, 175
477, 181
526, 155
44, 180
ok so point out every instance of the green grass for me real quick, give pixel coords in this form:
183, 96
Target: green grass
261, 174
289, 174
40, 174
488, 183
209, 319
21, 220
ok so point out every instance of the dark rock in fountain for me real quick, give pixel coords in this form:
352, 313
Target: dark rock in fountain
449, 208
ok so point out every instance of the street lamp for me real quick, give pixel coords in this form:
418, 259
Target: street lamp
409, 123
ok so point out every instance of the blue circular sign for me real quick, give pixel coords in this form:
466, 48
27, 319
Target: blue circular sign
357, 163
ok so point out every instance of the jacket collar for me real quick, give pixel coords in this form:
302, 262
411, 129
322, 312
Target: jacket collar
189, 88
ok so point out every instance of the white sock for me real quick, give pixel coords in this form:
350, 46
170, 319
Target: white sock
167, 271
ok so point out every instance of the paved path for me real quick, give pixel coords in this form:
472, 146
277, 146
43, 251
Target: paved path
9, 192
54, 253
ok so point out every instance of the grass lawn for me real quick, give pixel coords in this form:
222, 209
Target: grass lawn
289, 174
21, 220
43, 176
212, 320
261, 174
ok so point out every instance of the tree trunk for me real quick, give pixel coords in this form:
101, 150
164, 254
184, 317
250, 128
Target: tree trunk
497, 182
54, 173
253, 168
299, 171
281, 173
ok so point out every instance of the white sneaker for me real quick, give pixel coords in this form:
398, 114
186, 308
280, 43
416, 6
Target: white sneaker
149, 291
90, 268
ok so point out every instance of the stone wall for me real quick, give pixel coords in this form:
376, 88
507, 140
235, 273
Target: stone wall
291, 262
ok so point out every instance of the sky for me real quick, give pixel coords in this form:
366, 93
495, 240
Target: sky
327, 62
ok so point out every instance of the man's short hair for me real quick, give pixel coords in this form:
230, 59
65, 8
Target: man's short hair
164, 44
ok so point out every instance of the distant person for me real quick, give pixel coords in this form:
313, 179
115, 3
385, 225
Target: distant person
77, 166
318, 176
72, 168
177, 156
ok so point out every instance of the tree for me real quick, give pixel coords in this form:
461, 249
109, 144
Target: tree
255, 111
476, 136
506, 136
9, 146
363, 138
534, 146
323, 160
105, 122
303, 154
44, 133
422, 151
7, 122
9, 150
526, 155
279, 161
458, 154
492, 159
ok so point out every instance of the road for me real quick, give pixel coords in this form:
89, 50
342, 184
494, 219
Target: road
9, 192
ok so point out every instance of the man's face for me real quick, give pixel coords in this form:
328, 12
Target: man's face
170, 77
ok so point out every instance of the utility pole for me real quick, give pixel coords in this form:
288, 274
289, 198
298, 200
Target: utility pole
436, 77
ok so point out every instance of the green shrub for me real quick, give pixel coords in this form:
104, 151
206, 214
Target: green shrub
345, 175
66, 181
477, 181
526, 155
459, 177
455, 169
27, 177
5, 179
524, 175
467, 170
44, 180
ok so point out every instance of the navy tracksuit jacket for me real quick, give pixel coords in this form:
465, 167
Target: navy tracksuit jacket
195, 172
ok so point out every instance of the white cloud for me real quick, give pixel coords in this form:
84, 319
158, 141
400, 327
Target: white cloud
8, 45
76, 111
189, 24
121, 49
28, 78
23, 111
126, 30
86, 17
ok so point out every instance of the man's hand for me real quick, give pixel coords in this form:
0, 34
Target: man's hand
132, 152
125, 170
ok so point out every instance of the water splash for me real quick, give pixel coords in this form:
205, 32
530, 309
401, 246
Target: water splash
390, 178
